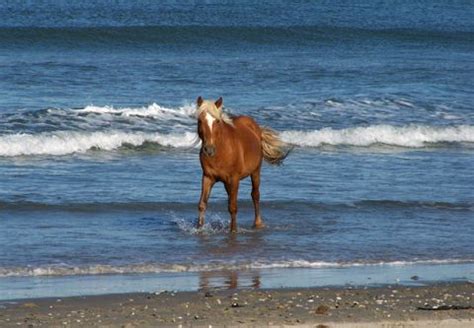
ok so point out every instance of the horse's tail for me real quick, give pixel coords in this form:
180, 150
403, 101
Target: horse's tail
273, 148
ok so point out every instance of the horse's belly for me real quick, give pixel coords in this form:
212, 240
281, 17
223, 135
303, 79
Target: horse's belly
225, 168
252, 155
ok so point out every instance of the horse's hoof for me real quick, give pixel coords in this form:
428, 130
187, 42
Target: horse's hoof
199, 223
258, 226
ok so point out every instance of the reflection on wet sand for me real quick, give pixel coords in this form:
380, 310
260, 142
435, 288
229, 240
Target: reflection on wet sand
231, 245
229, 280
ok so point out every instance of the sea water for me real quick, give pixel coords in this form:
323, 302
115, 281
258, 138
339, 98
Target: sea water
99, 158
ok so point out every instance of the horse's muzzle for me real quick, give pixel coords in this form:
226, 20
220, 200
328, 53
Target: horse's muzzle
209, 150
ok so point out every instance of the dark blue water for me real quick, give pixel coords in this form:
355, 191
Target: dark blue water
99, 169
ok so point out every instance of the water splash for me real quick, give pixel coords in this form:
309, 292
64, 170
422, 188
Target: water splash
214, 224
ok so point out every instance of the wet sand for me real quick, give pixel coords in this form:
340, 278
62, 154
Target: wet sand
440, 305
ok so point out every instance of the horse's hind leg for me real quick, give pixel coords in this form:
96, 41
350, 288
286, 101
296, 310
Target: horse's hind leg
232, 188
255, 176
207, 184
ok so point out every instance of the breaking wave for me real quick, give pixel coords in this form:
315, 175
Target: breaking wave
153, 110
58, 132
103, 269
411, 136
69, 142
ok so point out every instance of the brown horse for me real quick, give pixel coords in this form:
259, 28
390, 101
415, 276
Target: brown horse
232, 149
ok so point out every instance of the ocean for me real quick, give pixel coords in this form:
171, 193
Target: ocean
99, 157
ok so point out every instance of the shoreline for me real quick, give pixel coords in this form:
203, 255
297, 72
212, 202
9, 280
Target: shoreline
437, 305
35, 287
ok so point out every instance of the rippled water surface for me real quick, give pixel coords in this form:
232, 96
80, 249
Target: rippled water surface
99, 169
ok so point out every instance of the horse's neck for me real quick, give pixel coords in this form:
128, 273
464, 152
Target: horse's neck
226, 133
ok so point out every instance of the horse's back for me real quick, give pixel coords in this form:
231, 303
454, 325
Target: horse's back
249, 123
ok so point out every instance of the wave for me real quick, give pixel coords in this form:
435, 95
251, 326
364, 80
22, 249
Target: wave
184, 35
151, 118
105, 269
222, 206
387, 203
60, 13
69, 142
411, 136
154, 110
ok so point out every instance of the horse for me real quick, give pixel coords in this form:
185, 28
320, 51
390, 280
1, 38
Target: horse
232, 148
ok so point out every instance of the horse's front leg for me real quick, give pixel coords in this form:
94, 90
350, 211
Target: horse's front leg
207, 184
232, 188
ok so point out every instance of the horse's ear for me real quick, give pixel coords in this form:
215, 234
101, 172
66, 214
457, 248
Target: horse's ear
218, 103
199, 101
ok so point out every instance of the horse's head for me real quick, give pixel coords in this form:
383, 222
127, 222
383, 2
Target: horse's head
210, 115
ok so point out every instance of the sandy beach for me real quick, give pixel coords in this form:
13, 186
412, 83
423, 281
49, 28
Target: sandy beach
440, 305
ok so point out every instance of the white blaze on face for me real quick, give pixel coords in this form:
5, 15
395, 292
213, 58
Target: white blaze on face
210, 120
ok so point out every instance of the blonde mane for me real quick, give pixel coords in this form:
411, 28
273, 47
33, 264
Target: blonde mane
210, 107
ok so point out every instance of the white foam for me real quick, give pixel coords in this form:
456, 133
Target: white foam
154, 110
404, 103
69, 142
100, 269
405, 136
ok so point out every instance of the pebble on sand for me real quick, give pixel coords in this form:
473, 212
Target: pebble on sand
322, 309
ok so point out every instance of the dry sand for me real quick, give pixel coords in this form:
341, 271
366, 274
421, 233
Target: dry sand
442, 305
